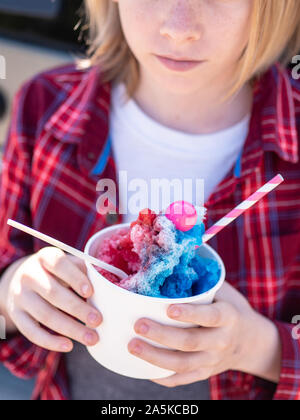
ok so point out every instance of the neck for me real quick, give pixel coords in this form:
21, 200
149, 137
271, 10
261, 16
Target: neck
196, 113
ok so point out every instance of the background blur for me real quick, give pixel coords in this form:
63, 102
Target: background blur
34, 35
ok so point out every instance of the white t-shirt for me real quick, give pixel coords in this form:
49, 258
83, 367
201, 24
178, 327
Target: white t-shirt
146, 152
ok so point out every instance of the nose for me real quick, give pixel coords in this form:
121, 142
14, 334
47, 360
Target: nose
181, 25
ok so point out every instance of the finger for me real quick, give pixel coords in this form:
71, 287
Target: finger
62, 266
168, 359
57, 321
79, 263
62, 298
37, 335
214, 315
184, 378
183, 339
225, 291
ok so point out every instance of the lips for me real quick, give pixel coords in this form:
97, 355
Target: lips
185, 59
178, 65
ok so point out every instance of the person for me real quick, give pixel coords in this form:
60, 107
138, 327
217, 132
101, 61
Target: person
186, 89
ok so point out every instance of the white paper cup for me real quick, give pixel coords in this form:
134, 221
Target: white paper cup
121, 308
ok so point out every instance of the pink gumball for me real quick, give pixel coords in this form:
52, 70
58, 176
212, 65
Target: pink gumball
182, 214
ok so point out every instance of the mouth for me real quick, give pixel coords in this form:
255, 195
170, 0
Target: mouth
178, 64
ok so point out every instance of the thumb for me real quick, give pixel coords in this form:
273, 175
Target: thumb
229, 294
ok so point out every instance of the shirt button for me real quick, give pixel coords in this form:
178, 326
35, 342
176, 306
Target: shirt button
111, 218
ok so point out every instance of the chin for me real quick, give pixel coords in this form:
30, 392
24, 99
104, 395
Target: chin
180, 85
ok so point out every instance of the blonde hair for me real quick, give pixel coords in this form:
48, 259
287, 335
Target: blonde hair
274, 36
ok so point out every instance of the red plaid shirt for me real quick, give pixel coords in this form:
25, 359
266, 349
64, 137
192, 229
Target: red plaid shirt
58, 134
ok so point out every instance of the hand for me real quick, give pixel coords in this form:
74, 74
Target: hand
47, 290
235, 337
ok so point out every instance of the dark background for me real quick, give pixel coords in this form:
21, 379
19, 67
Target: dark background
44, 22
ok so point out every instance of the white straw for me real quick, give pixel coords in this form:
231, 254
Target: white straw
121, 274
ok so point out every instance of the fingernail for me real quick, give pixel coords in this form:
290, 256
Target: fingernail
89, 338
136, 349
143, 328
85, 289
93, 318
175, 311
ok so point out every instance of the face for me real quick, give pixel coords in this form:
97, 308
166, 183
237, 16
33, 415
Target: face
213, 31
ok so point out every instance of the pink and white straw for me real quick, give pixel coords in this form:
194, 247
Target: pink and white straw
241, 208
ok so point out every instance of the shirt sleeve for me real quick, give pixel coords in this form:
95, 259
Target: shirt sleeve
18, 354
289, 383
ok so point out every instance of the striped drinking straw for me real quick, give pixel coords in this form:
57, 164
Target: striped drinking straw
241, 208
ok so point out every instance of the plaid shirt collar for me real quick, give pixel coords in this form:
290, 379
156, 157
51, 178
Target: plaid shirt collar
273, 100
272, 124
73, 123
